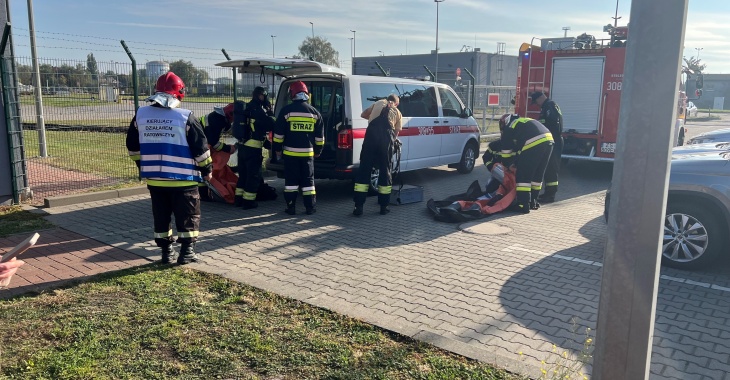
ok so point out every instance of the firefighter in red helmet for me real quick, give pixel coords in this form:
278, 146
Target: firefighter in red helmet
214, 125
530, 143
170, 149
299, 137
253, 127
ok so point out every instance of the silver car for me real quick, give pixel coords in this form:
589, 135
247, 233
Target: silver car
700, 148
718, 135
697, 222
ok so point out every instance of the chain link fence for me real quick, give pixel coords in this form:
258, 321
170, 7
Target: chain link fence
87, 108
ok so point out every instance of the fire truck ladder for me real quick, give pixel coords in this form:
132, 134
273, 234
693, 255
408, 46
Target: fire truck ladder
540, 71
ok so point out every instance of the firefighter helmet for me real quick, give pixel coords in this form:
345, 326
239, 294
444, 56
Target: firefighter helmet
171, 84
260, 91
297, 87
506, 120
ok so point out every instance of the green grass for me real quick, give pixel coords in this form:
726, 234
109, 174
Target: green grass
175, 323
13, 220
98, 153
77, 100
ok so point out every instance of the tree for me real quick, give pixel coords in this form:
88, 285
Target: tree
188, 73
320, 50
694, 65
91, 66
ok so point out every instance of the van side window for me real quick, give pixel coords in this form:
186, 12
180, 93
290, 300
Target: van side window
415, 100
418, 101
450, 103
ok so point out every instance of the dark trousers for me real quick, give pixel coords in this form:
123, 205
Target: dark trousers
553, 168
185, 205
299, 175
378, 156
249, 172
531, 165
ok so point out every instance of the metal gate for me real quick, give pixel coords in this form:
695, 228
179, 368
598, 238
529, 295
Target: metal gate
18, 170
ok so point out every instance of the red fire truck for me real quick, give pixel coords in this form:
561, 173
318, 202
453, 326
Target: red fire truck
584, 76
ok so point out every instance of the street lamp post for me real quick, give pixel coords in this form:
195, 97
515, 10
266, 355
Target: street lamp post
273, 51
698, 53
566, 29
436, 75
312, 29
353, 43
381, 52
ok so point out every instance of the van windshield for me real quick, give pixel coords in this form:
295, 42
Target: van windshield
415, 100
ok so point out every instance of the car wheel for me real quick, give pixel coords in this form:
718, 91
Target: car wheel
468, 158
692, 236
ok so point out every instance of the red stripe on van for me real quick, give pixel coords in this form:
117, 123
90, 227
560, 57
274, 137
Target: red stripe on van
424, 130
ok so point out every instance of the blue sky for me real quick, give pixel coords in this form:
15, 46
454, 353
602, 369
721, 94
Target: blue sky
196, 30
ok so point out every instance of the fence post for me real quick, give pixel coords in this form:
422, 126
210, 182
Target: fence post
385, 74
235, 98
473, 89
429, 71
41, 124
135, 83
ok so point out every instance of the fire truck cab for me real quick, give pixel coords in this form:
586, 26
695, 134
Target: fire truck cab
584, 77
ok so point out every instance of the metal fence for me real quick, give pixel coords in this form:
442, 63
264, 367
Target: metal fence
87, 108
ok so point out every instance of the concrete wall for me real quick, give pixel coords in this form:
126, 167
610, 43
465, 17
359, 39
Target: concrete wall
482, 65
715, 85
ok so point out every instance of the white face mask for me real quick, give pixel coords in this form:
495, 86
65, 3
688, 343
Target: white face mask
301, 96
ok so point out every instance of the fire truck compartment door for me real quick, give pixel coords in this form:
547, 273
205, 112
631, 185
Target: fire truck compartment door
577, 85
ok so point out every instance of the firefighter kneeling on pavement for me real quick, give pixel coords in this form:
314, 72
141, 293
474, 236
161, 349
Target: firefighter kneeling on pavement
251, 127
377, 152
215, 124
530, 143
299, 135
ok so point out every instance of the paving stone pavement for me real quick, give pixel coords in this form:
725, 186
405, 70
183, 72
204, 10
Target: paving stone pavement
61, 256
534, 290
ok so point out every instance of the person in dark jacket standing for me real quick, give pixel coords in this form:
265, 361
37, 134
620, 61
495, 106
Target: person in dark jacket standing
377, 152
257, 121
530, 143
552, 118
299, 137
170, 149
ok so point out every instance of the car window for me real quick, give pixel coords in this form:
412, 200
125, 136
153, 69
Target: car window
415, 100
449, 103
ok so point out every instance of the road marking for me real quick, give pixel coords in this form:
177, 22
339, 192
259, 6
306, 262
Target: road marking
520, 248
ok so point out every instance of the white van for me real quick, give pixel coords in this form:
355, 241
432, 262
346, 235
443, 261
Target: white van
437, 128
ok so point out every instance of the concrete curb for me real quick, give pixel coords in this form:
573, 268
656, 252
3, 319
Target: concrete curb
67, 200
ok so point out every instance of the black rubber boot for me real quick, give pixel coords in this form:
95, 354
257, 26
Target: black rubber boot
187, 254
534, 204
384, 210
546, 198
168, 255
520, 208
290, 210
310, 210
247, 205
238, 201
357, 211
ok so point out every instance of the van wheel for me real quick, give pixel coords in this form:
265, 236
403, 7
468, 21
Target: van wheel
468, 158
373, 188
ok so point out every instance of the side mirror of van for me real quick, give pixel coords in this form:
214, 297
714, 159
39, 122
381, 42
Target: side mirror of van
467, 113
